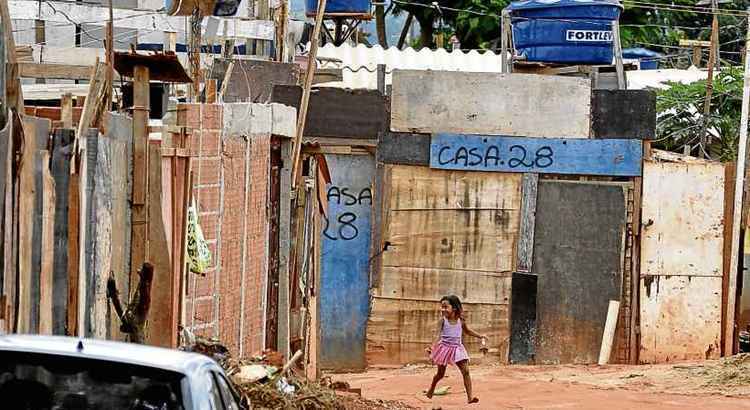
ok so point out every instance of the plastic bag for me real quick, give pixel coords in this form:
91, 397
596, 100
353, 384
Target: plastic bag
197, 249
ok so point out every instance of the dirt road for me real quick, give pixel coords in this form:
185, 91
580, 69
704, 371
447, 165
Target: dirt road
560, 387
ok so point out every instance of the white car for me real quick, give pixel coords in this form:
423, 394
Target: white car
66, 373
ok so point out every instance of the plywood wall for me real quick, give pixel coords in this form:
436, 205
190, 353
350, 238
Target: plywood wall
449, 232
524, 105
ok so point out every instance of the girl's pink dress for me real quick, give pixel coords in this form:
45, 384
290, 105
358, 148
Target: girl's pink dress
450, 348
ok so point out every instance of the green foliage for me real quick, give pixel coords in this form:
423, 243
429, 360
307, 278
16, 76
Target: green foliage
680, 115
479, 31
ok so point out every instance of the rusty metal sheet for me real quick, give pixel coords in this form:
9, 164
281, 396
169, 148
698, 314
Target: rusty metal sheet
680, 318
161, 66
681, 259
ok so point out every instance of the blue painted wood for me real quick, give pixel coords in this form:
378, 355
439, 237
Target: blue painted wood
344, 281
614, 157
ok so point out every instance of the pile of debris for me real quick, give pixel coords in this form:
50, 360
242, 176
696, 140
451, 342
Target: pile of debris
266, 382
727, 372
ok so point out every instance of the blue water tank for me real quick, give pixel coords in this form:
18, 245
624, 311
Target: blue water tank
649, 60
565, 31
340, 7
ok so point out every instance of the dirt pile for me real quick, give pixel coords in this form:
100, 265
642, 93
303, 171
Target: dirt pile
733, 371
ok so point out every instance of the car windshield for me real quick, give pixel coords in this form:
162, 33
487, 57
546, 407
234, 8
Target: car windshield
44, 381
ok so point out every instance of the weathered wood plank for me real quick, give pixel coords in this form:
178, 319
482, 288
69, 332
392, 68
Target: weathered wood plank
6, 182
61, 154
119, 133
28, 274
55, 71
414, 188
91, 323
399, 330
525, 247
73, 268
161, 317
66, 110
548, 155
730, 173
429, 284
46, 282
482, 103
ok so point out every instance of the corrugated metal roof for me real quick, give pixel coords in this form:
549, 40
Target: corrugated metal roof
359, 63
640, 79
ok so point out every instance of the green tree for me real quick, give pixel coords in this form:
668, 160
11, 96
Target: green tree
680, 115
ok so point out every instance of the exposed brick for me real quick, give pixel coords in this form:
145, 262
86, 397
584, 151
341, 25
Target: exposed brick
205, 143
207, 197
210, 171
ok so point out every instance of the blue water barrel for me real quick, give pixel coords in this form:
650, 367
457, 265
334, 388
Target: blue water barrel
340, 7
649, 59
565, 31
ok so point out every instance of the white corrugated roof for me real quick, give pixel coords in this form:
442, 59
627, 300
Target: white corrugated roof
359, 63
640, 79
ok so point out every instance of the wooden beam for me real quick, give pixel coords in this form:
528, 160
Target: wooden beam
89, 117
67, 110
139, 199
74, 214
46, 281
309, 74
55, 71
13, 93
525, 247
694, 43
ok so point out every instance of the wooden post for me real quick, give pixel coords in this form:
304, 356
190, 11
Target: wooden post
705, 140
381, 78
110, 60
139, 241
621, 84
211, 91
194, 52
697, 56
507, 61
14, 92
66, 110
608, 338
225, 81
39, 38
309, 74
729, 325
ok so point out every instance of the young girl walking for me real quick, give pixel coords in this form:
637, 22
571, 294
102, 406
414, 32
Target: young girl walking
448, 347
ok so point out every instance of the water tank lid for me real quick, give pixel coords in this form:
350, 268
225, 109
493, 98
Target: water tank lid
542, 4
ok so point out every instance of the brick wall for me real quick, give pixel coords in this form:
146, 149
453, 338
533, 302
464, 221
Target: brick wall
230, 184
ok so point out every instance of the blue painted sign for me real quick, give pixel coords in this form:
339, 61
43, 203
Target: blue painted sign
345, 267
611, 157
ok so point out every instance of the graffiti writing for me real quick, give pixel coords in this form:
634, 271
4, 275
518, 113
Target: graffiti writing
491, 156
344, 225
